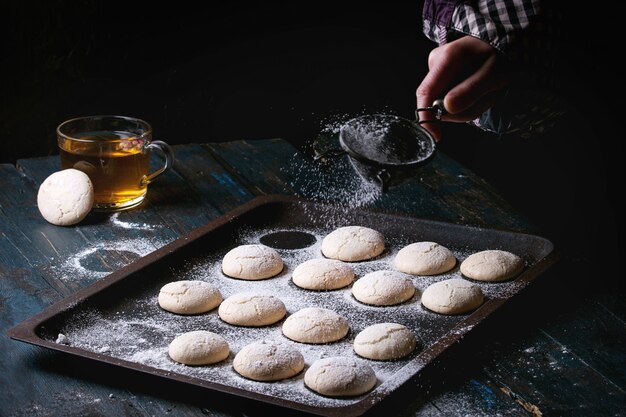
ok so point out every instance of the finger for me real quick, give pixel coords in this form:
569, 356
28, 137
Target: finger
433, 86
470, 91
440, 77
425, 97
479, 107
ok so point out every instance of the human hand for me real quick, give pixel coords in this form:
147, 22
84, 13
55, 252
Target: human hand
468, 73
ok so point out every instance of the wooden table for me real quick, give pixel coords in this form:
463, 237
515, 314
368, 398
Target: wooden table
535, 357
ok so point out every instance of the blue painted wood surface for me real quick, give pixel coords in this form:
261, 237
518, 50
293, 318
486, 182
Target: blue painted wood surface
519, 364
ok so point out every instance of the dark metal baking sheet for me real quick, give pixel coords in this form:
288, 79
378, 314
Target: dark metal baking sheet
142, 280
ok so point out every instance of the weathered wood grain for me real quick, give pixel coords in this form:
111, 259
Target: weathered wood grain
547, 376
210, 181
257, 164
464, 391
540, 361
596, 336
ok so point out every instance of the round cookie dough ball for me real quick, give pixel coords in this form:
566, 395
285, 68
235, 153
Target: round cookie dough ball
315, 325
189, 297
322, 274
65, 197
252, 262
353, 243
268, 361
424, 258
383, 288
340, 376
384, 341
199, 348
492, 265
252, 310
452, 296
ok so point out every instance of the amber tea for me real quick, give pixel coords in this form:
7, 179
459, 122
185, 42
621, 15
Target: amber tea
116, 167
115, 159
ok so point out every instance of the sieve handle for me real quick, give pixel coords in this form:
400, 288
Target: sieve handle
437, 108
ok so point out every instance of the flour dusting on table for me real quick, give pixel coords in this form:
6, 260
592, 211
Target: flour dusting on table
92, 262
116, 221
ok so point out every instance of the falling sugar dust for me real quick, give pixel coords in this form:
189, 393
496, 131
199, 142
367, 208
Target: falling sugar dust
335, 181
357, 160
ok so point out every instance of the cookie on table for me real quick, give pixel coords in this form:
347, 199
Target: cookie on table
492, 265
199, 347
384, 341
424, 258
268, 361
340, 376
353, 243
189, 297
315, 326
452, 296
252, 262
65, 197
383, 288
322, 274
252, 310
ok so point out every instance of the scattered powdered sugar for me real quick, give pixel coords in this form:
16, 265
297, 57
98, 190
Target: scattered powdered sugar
100, 259
115, 220
137, 330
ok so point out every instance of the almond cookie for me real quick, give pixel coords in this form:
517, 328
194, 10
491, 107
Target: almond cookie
268, 361
252, 262
452, 296
492, 265
189, 297
199, 348
322, 274
353, 243
384, 341
253, 310
315, 325
424, 258
340, 376
383, 288
65, 197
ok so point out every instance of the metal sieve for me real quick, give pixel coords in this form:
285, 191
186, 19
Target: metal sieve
386, 148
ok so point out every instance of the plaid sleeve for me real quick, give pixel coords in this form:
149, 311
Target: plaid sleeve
496, 22
436, 19
526, 35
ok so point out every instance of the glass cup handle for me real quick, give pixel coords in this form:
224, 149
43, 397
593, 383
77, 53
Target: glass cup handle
164, 150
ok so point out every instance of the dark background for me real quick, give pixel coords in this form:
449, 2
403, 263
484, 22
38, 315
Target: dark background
204, 73
201, 72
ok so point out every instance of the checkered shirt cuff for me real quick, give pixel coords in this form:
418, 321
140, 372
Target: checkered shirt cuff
496, 22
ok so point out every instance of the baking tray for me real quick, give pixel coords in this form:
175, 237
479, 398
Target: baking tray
117, 319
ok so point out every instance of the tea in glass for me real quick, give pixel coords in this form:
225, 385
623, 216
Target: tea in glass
114, 152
